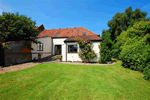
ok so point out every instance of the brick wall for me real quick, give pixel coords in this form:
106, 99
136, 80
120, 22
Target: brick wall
17, 54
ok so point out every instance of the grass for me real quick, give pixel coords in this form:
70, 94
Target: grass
70, 82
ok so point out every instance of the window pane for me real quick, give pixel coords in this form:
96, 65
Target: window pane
72, 48
75, 46
38, 46
41, 46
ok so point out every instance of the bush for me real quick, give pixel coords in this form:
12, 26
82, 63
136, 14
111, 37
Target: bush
105, 47
135, 50
147, 72
86, 53
57, 57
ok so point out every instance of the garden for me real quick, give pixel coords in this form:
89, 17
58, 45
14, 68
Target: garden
64, 81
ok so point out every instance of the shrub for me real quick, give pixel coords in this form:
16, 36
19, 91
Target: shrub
105, 47
135, 50
86, 53
147, 72
57, 57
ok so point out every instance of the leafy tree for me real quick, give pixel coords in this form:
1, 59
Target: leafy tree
86, 53
15, 27
121, 22
135, 48
105, 47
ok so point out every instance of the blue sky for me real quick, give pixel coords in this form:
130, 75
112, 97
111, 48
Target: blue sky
91, 14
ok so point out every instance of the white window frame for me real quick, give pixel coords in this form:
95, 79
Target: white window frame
40, 47
70, 45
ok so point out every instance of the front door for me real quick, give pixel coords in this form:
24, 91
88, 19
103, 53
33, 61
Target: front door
57, 49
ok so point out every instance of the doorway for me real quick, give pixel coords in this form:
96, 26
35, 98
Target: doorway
57, 49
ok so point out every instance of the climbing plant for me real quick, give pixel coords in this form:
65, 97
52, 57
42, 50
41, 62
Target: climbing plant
86, 53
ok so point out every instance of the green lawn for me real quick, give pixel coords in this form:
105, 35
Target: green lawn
70, 82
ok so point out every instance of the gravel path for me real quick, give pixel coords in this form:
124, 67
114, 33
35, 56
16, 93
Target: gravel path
17, 67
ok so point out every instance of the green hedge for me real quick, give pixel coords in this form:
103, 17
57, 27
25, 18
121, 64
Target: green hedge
135, 51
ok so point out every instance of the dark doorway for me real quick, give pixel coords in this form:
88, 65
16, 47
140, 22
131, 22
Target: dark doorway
2, 56
57, 49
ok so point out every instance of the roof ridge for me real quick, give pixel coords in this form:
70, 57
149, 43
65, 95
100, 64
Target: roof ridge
39, 25
64, 28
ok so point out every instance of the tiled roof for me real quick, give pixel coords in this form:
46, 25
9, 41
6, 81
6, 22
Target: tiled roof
88, 37
65, 32
40, 27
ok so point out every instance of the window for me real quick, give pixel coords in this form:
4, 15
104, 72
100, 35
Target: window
45, 35
56, 35
72, 48
84, 33
40, 46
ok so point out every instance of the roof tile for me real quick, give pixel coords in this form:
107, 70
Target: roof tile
65, 32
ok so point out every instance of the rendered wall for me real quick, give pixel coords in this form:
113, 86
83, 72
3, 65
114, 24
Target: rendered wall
60, 41
75, 56
95, 47
47, 47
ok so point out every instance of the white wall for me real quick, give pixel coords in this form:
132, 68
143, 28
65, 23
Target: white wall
47, 47
95, 47
60, 41
75, 56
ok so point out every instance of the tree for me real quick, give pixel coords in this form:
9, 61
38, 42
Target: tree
135, 48
121, 22
105, 47
15, 27
86, 53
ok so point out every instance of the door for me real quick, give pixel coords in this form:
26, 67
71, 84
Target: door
57, 49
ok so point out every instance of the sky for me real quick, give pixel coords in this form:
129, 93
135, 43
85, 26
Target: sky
91, 14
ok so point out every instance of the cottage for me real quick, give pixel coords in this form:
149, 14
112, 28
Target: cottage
62, 42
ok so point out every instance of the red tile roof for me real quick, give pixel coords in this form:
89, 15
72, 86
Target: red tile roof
40, 27
65, 32
89, 37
